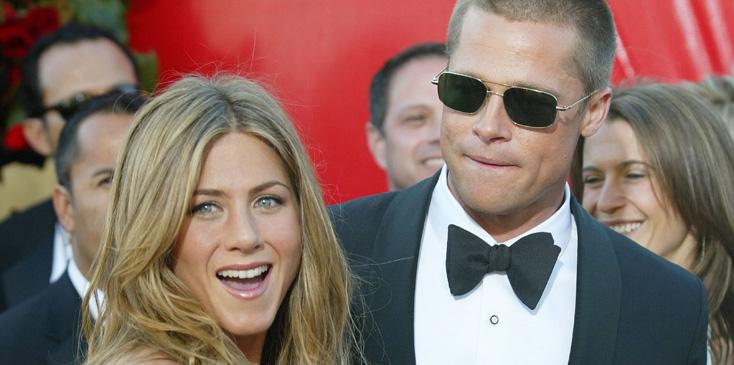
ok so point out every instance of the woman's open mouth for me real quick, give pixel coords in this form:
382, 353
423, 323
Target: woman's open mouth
245, 283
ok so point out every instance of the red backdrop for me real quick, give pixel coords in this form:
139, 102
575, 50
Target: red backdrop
318, 57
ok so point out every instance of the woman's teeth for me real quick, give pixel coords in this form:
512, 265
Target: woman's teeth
626, 227
243, 274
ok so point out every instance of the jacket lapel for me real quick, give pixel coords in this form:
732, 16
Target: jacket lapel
598, 293
396, 257
63, 320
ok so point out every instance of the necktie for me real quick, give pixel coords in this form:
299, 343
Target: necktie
528, 263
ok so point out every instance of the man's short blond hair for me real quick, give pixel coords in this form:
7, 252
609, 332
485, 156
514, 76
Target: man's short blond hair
591, 19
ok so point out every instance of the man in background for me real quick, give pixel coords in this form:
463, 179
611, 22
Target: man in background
61, 71
405, 115
45, 328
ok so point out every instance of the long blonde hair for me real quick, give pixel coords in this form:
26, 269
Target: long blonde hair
146, 306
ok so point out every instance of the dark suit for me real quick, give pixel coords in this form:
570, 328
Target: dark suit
43, 329
26, 253
632, 307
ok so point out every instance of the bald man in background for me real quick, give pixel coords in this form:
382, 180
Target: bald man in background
61, 71
45, 328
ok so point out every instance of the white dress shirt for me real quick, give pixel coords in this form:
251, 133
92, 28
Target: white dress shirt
81, 284
61, 253
490, 325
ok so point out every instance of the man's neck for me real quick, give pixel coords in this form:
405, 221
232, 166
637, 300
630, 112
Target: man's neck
504, 226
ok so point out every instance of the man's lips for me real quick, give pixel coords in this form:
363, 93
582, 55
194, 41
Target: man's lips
491, 162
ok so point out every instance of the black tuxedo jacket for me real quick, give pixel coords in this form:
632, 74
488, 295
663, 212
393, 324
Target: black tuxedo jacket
632, 307
44, 329
26, 253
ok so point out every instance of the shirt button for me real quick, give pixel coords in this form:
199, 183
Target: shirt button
494, 319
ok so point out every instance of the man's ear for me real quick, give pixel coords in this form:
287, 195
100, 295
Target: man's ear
597, 111
376, 143
64, 207
36, 134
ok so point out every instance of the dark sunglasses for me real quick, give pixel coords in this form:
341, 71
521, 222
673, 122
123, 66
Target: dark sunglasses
526, 107
67, 108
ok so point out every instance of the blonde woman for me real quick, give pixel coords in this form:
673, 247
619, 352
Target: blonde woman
217, 248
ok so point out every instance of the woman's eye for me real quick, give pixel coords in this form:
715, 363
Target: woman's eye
590, 180
107, 181
635, 175
205, 209
268, 202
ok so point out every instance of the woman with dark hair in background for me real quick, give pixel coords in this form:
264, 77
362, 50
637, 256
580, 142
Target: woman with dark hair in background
660, 172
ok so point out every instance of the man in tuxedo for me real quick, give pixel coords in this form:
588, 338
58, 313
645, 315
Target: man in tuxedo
405, 115
492, 261
62, 70
45, 329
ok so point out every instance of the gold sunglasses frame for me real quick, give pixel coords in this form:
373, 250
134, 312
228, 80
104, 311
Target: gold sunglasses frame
502, 95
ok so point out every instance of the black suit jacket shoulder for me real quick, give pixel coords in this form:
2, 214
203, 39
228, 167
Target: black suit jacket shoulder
632, 307
26, 243
43, 329
21, 232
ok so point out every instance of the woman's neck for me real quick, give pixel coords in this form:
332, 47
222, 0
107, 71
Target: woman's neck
252, 347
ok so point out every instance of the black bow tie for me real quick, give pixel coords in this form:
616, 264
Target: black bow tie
528, 263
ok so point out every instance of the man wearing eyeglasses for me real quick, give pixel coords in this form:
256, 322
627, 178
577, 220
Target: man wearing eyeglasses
46, 329
61, 71
405, 115
492, 261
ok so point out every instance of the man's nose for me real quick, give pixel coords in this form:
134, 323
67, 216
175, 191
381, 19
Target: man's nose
433, 129
492, 121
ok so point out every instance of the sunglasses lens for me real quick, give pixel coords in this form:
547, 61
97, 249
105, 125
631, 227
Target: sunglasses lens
530, 108
461, 93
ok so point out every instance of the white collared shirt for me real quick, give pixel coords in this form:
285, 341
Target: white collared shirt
61, 253
490, 325
81, 284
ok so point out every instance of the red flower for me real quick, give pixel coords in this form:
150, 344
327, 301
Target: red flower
9, 12
14, 139
18, 34
41, 20
14, 40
